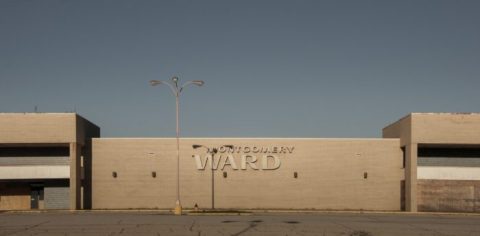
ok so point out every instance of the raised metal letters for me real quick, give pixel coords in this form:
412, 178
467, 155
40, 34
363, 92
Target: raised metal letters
257, 149
254, 158
246, 160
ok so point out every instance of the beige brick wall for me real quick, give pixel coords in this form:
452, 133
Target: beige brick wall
330, 175
37, 127
45, 128
446, 128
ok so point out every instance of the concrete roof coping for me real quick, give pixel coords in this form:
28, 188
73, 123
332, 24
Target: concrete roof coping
47, 114
38, 113
446, 113
432, 114
255, 138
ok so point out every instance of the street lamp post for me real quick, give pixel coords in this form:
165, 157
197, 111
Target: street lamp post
177, 90
212, 151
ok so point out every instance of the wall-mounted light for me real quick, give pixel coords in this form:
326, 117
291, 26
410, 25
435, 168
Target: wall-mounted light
295, 175
365, 175
114, 174
154, 174
224, 174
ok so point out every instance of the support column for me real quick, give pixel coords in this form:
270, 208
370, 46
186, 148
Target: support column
411, 177
75, 176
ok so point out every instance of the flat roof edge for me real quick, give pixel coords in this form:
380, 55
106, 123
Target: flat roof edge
246, 138
37, 113
431, 114
446, 113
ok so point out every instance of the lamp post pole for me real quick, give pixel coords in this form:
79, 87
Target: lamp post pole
178, 206
213, 180
212, 151
177, 90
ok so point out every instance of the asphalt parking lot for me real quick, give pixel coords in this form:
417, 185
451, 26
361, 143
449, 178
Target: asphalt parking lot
158, 223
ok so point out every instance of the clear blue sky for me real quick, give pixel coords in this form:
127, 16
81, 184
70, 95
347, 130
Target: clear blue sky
271, 68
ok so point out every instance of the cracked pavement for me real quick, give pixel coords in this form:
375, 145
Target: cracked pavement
152, 223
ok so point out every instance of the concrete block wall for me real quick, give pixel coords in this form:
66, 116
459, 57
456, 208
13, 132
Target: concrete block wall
56, 197
449, 195
337, 174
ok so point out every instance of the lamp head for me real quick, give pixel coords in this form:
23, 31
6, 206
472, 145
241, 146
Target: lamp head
198, 82
175, 79
155, 82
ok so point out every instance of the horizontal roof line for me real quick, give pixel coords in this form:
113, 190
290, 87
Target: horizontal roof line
255, 138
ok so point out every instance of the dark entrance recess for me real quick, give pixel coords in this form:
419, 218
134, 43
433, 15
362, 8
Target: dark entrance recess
402, 195
36, 195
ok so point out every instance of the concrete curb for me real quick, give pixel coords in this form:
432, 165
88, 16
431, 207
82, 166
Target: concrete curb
229, 212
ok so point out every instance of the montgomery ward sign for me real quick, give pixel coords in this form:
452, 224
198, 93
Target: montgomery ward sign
244, 157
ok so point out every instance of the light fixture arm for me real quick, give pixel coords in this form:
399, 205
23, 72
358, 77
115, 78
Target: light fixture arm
172, 87
195, 82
